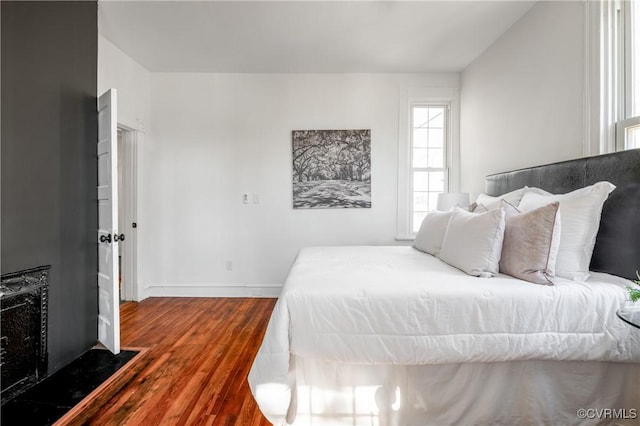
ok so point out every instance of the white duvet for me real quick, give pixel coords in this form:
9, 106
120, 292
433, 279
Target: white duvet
396, 305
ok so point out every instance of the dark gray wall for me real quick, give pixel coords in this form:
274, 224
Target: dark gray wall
49, 169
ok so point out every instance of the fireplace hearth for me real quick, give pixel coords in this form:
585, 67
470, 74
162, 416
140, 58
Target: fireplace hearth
23, 325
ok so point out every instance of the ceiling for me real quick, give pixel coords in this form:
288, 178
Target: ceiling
306, 36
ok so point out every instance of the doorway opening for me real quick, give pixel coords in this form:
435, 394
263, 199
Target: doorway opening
127, 212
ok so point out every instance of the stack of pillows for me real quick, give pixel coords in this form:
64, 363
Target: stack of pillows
529, 234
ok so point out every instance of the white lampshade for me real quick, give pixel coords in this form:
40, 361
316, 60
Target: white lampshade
447, 200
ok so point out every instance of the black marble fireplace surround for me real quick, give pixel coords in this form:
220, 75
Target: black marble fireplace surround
23, 325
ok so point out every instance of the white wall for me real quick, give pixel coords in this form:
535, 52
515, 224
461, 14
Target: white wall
209, 138
133, 84
132, 81
522, 99
217, 136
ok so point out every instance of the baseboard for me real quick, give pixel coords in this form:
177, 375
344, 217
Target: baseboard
212, 290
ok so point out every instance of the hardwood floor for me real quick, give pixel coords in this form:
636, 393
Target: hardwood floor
194, 373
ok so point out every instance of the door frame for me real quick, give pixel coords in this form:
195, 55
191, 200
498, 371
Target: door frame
129, 195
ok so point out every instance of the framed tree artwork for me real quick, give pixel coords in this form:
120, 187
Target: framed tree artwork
331, 169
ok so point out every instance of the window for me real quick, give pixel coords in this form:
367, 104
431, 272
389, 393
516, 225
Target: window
428, 153
615, 64
628, 123
428, 159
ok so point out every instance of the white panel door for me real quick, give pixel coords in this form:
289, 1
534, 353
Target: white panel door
108, 292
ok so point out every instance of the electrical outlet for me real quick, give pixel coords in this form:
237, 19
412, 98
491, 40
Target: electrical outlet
229, 265
245, 198
256, 198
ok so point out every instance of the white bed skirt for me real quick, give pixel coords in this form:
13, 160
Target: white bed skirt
508, 393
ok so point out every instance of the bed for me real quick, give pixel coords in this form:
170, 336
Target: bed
394, 336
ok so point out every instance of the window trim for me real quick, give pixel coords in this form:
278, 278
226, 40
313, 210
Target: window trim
607, 75
625, 119
621, 131
627, 62
415, 97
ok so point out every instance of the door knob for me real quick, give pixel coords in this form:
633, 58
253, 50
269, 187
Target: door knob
105, 238
117, 237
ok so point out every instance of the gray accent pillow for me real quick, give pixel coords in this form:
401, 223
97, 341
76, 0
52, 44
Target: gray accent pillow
530, 245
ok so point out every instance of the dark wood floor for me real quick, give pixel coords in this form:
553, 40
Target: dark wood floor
200, 352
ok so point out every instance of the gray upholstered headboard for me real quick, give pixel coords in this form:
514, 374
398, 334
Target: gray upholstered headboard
617, 249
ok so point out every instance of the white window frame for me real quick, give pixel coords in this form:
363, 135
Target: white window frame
625, 120
430, 96
446, 106
607, 76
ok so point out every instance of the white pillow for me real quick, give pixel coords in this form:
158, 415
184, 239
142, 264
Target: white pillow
580, 214
512, 197
473, 241
429, 237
